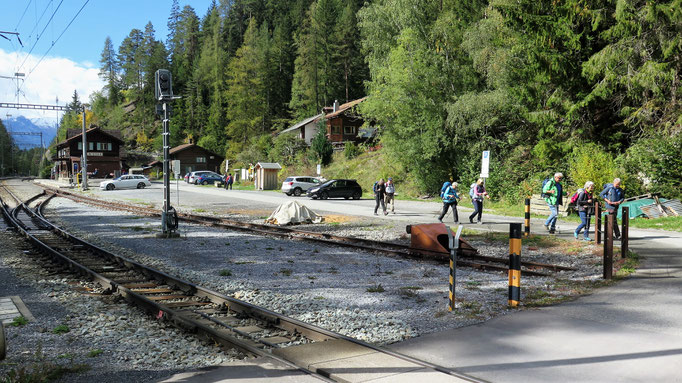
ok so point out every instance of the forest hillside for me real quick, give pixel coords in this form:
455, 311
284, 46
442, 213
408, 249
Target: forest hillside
590, 88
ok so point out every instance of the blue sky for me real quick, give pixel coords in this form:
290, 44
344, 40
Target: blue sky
73, 61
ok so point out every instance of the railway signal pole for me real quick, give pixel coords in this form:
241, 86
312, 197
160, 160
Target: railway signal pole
164, 94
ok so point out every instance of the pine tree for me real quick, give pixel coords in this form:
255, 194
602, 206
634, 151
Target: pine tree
245, 91
109, 71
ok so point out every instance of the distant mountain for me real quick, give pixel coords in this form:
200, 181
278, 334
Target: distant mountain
22, 124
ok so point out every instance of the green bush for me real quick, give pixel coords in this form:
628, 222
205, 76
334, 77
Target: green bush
351, 151
589, 162
654, 165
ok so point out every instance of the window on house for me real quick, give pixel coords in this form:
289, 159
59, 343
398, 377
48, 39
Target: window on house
349, 130
90, 146
336, 129
201, 160
80, 145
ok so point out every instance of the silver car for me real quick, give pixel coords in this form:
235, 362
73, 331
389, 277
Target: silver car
128, 181
192, 179
298, 185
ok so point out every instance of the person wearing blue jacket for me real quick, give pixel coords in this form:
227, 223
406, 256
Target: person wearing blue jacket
613, 195
450, 198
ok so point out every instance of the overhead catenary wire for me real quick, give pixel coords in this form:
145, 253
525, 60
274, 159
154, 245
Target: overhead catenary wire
22, 15
40, 35
56, 40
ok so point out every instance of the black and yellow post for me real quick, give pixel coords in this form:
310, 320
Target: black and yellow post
514, 264
608, 246
526, 230
624, 235
453, 242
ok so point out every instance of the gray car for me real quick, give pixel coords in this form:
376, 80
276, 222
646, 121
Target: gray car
298, 185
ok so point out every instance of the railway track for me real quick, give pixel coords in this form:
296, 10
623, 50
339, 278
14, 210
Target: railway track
467, 256
209, 315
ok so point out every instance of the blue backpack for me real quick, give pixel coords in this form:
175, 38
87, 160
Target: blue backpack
544, 182
445, 186
472, 188
605, 192
448, 194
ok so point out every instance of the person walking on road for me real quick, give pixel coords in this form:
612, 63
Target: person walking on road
554, 194
477, 193
390, 194
613, 195
585, 204
450, 198
379, 194
229, 181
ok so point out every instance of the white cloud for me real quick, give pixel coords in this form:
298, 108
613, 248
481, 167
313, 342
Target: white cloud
53, 77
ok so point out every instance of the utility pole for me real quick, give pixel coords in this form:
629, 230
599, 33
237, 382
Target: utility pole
84, 161
11, 147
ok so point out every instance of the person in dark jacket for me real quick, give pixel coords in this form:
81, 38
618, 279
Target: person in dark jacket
450, 198
613, 196
585, 204
477, 200
379, 194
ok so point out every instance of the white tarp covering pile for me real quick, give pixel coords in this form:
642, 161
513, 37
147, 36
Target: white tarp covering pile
293, 213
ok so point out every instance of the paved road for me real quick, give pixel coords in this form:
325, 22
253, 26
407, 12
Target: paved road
630, 332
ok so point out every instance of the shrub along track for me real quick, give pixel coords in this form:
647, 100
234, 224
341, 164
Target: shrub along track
229, 322
471, 256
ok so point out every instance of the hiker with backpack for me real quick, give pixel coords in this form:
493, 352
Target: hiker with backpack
379, 194
477, 193
613, 195
585, 206
390, 194
553, 193
450, 198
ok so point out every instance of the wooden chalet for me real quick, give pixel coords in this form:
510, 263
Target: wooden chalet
104, 153
342, 122
193, 157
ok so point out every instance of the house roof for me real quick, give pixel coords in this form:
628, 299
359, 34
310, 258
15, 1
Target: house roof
269, 165
182, 147
302, 123
80, 135
345, 107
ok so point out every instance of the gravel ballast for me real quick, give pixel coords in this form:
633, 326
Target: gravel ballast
371, 297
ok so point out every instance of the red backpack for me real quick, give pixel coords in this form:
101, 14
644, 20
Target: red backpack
574, 197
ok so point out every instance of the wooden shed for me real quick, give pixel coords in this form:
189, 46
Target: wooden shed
266, 175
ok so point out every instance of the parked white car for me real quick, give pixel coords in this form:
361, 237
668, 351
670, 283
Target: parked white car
298, 185
128, 181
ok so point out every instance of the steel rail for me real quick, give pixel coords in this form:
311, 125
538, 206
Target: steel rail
393, 249
179, 319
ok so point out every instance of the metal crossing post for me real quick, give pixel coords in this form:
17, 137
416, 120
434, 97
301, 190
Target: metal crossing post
526, 232
597, 222
514, 264
608, 246
624, 234
453, 241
